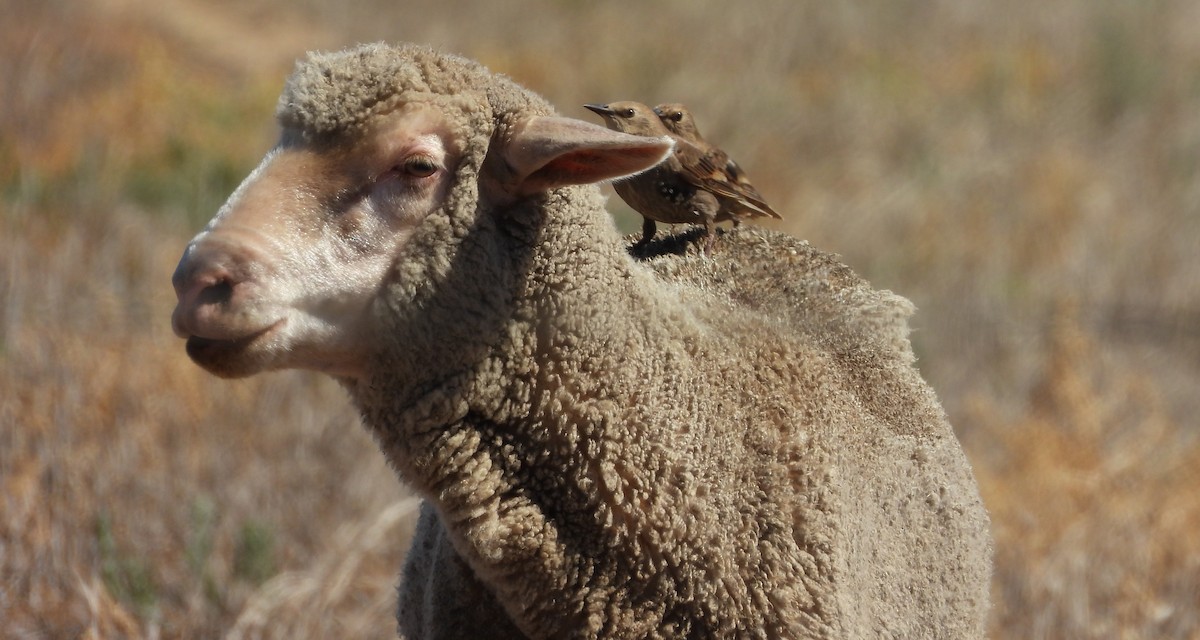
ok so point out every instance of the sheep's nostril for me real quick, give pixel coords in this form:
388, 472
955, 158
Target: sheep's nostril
215, 286
219, 293
205, 303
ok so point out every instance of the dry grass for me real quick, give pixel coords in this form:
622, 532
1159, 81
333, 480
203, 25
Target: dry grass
1027, 172
1093, 499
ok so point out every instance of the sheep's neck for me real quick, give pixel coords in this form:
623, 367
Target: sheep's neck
530, 457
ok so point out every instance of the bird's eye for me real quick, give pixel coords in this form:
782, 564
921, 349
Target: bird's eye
677, 116
419, 166
629, 112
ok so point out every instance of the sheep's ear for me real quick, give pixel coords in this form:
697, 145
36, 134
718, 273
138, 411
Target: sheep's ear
545, 152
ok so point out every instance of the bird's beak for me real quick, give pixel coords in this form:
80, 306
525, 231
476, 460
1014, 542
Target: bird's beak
658, 112
601, 109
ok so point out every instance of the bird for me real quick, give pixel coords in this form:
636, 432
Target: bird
678, 119
685, 187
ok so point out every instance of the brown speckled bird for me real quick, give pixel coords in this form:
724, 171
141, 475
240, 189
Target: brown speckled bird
679, 121
684, 188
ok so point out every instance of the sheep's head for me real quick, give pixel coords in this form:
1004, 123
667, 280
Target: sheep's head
377, 144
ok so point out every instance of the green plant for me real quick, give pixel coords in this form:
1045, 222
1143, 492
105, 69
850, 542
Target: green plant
126, 576
254, 557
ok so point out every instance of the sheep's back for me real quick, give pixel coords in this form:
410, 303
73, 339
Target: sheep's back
777, 275
899, 500
780, 288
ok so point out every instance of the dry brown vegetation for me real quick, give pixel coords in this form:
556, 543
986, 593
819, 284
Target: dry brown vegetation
1027, 172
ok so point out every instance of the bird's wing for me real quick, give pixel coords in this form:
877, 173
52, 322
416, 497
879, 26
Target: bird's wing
735, 172
709, 170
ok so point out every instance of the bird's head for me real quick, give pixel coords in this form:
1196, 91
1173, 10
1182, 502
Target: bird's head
678, 120
629, 117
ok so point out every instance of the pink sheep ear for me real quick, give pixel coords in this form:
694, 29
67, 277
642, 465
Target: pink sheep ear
545, 152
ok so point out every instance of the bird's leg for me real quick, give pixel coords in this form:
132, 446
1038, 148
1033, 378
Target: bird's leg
648, 230
710, 234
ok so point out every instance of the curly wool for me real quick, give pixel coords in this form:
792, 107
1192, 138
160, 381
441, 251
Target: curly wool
736, 462
341, 93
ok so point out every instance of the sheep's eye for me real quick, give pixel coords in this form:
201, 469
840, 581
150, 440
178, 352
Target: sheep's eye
629, 112
420, 166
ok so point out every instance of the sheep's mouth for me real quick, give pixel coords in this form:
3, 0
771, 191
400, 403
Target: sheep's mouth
226, 356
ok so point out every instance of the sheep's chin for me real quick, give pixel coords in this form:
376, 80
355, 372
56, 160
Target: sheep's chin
235, 358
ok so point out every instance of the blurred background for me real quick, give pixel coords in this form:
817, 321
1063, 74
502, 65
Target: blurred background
1026, 171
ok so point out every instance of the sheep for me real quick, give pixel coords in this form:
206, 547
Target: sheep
679, 446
